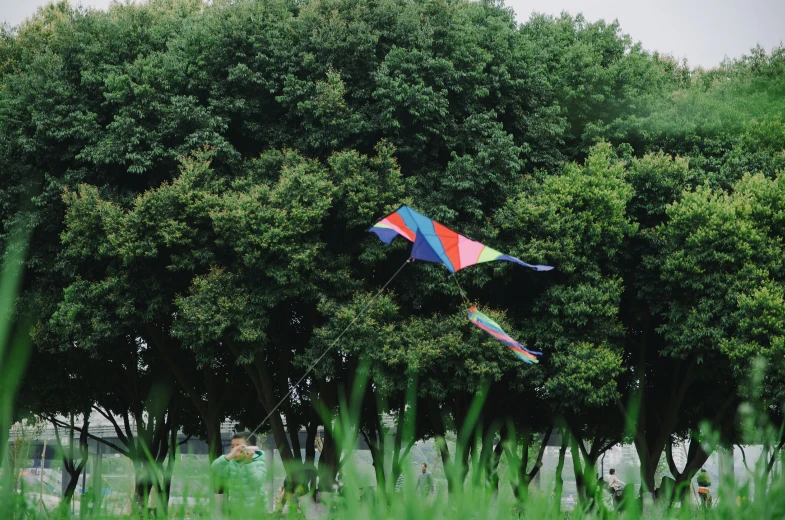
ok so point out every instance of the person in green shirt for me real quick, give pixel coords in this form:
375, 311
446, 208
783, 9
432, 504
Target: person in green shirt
240, 475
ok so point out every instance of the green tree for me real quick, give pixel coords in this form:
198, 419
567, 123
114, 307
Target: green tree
725, 263
672, 389
579, 222
222, 271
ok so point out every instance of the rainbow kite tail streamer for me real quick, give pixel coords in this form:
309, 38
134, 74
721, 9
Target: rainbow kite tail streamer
485, 323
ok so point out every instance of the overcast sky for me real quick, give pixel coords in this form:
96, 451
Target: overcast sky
703, 31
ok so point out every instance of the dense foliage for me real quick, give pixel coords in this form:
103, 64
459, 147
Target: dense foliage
197, 178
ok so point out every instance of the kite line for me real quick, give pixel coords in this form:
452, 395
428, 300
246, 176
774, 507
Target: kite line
460, 289
335, 342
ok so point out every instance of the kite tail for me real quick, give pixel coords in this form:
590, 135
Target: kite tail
487, 324
525, 359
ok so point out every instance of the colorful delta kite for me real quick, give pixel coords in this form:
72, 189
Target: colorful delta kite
434, 242
491, 327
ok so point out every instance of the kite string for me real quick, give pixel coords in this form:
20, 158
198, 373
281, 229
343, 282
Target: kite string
335, 342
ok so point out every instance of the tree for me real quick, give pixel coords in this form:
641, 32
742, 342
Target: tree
579, 223
72, 465
598, 74
164, 269
730, 295
204, 173
671, 392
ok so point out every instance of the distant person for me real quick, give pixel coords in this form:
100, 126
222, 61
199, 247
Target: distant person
703, 488
615, 486
399, 483
338, 484
241, 475
290, 496
425, 482
278, 499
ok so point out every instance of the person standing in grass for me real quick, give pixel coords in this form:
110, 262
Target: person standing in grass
615, 486
425, 482
241, 475
399, 483
703, 488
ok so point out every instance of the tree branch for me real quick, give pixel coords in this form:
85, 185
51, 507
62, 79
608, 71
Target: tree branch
407, 450
540, 454
669, 458
639, 438
115, 447
770, 463
117, 429
127, 425
744, 458
696, 458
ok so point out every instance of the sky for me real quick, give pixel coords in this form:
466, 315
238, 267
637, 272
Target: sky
702, 31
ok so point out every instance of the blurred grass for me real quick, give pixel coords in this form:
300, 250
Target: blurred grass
14, 355
760, 498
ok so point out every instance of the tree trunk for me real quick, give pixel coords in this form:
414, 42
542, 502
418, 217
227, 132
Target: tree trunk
524, 476
217, 398
580, 479
521, 488
293, 429
142, 483
73, 468
493, 466
483, 473
377, 456
210, 409
73, 481
295, 467
559, 484
312, 430
214, 441
463, 470
440, 440
167, 472
696, 457
397, 443
267, 398
328, 461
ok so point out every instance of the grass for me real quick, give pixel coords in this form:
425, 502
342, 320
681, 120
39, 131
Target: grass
760, 498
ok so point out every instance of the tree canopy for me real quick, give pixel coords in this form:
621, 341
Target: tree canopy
197, 179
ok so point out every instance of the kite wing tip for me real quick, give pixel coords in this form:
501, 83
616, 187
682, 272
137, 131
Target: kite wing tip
385, 235
542, 268
538, 268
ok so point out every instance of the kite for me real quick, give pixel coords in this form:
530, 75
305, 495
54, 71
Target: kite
491, 327
434, 242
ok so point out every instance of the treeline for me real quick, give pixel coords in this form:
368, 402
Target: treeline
197, 179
